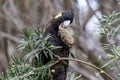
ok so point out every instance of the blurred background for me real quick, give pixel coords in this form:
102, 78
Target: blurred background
16, 14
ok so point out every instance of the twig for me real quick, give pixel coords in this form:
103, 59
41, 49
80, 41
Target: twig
11, 14
8, 36
115, 30
80, 61
86, 63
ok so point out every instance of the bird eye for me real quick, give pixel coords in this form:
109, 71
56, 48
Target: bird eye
59, 15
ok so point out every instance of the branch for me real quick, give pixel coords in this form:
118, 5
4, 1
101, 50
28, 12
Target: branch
8, 36
86, 63
11, 13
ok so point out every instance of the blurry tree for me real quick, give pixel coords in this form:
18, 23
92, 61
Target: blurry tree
15, 14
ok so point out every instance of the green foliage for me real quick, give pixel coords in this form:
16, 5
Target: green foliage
72, 55
107, 24
99, 61
24, 71
32, 43
110, 30
108, 21
73, 76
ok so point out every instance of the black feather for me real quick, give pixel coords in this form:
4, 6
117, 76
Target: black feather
52, 29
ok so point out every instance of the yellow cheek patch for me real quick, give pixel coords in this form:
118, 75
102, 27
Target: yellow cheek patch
59, 15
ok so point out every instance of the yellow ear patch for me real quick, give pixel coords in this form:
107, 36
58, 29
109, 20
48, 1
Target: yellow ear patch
59, 15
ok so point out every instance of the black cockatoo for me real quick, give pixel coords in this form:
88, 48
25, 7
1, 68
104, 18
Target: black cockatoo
59, 70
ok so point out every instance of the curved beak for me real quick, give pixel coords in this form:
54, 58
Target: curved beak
65, 24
